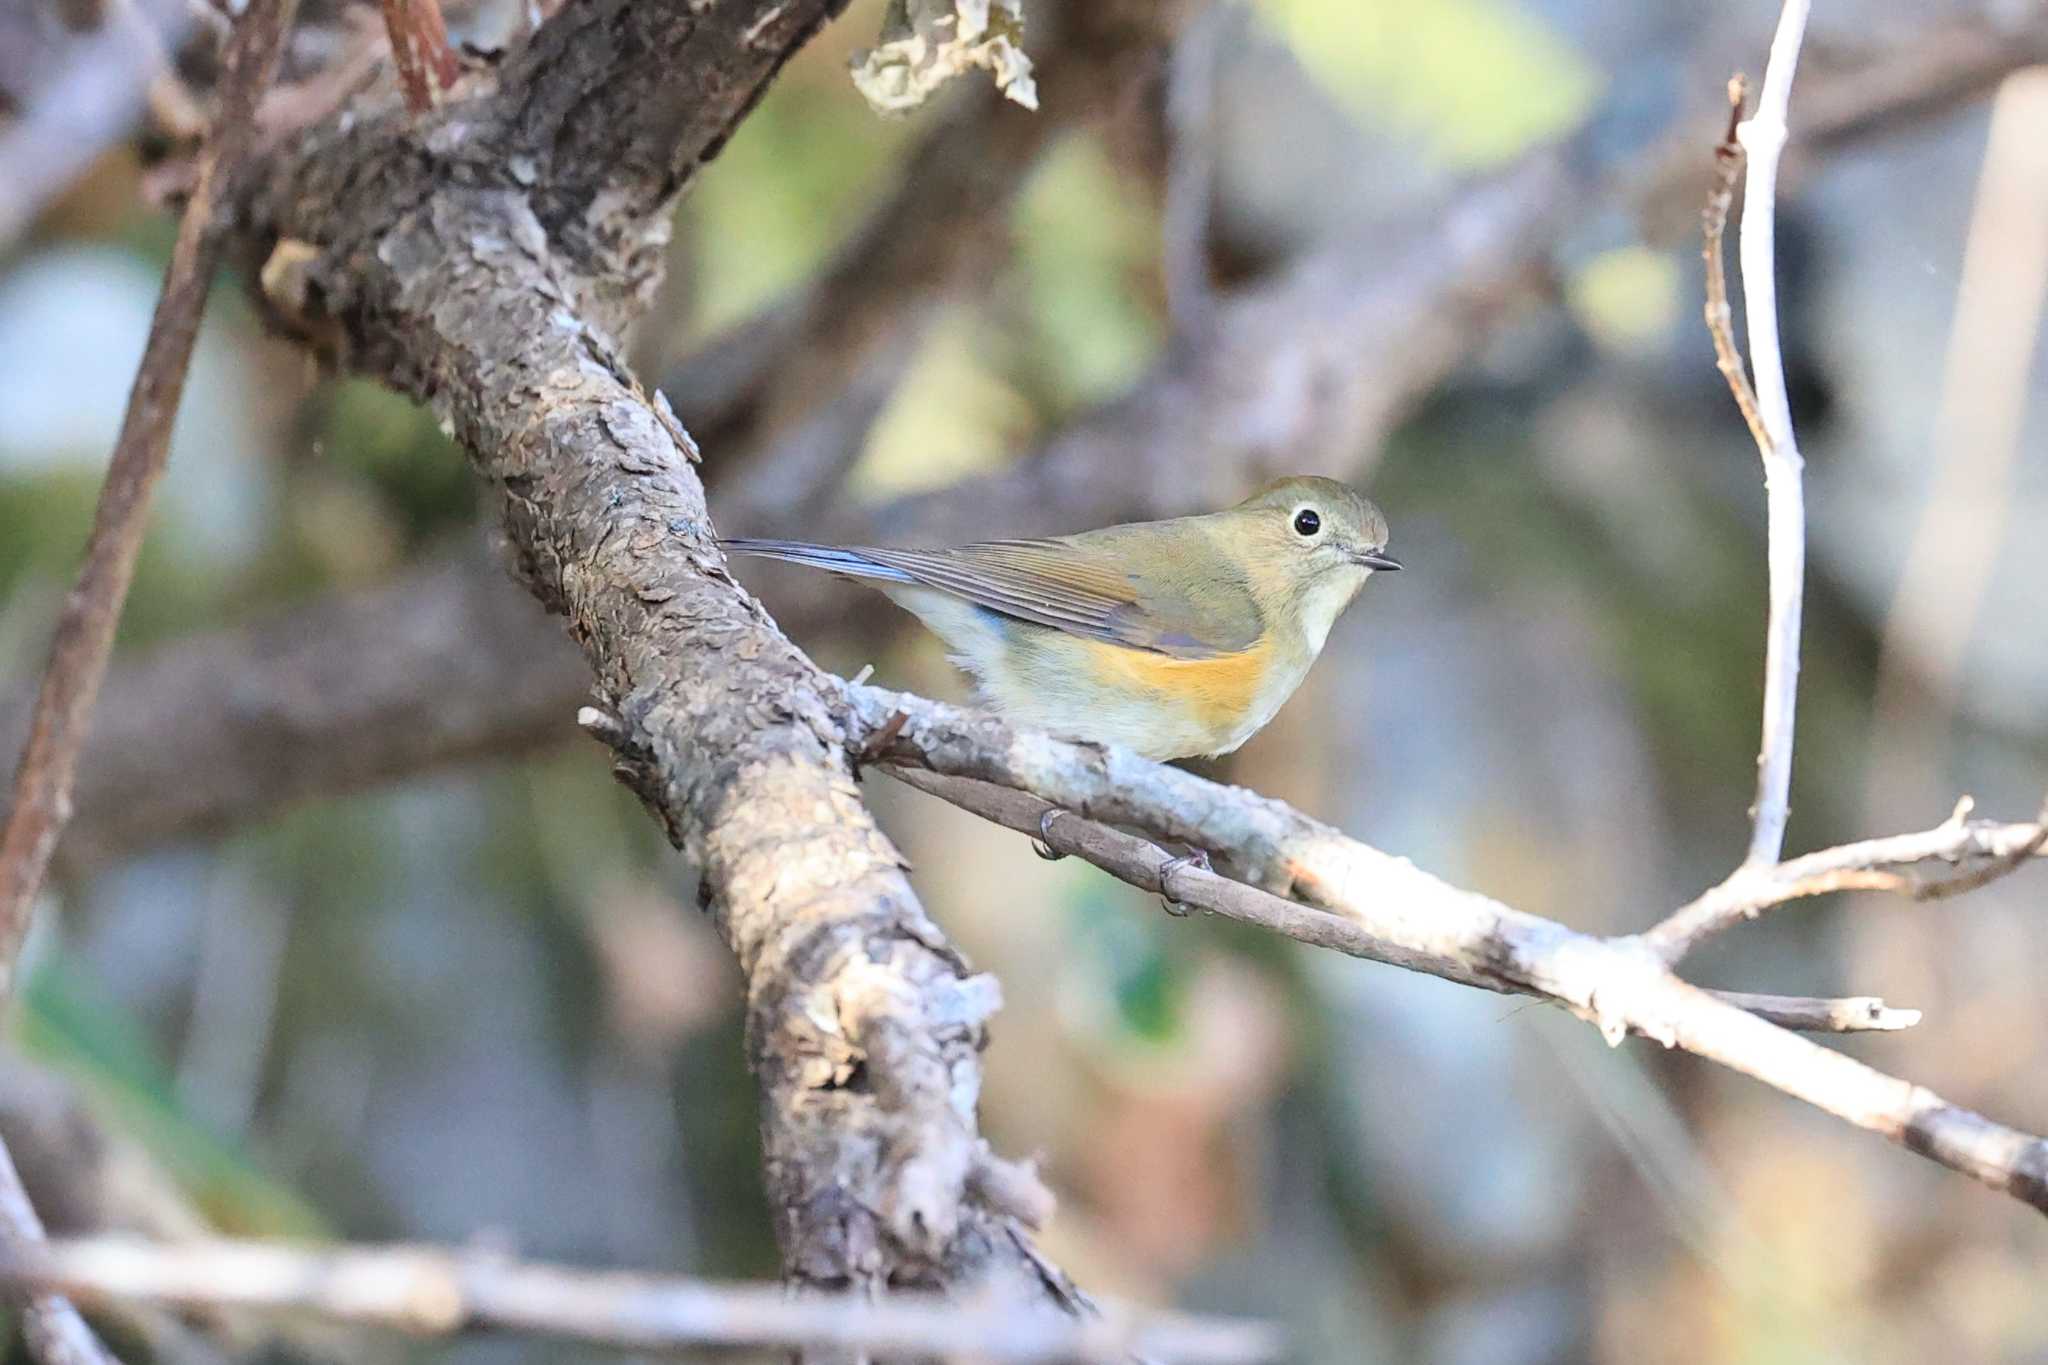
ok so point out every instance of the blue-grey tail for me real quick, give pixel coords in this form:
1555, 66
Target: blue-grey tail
835, 559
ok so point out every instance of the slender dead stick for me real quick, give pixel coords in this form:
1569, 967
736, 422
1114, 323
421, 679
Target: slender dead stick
1714, 230
1849, 1014
419, 48
41, 803
1762, 136
434, 1292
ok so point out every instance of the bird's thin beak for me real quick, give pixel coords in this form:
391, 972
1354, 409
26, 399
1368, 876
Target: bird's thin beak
1376, 559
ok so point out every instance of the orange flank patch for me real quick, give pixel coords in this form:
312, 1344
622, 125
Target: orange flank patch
1216, 693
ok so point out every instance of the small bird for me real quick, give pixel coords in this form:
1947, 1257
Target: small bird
1173, 638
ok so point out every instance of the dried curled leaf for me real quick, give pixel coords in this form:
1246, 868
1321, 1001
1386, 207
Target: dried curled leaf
925, 43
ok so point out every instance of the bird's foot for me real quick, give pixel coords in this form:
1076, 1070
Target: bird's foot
1042, 845
1194, 857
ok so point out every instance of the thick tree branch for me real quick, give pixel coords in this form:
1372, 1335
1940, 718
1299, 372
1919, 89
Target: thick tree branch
431, 1292
481, 260
613, 105
1411, 919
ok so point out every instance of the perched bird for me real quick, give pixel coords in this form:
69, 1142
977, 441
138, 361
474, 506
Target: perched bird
1174, 638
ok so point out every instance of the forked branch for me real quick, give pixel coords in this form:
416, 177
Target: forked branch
1974, 852
1383, 907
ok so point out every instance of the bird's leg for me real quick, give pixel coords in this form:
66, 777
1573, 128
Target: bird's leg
1194, 857
1042, 845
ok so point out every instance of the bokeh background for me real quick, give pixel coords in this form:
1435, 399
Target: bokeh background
478, 1003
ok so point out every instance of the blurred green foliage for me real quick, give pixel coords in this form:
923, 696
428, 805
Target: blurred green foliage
1087, 249
1474, 81
77, 1026
791, 182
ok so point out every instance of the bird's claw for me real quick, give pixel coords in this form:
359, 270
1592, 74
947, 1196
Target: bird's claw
1042, 845
1194, 857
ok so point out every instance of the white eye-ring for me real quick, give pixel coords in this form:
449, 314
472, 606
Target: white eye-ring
1308, 523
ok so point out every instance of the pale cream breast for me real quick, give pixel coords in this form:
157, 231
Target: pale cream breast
1325, 601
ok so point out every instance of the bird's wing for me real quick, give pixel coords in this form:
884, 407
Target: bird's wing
1064, 584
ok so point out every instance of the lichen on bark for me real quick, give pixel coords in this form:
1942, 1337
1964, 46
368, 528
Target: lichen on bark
926, 43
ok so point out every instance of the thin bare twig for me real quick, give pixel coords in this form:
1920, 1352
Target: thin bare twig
429, 1291
41, 804
1714, 228
1762, 137
419, 48
1848, 1014
1404, 916
2002, 862
1984, 849
1141, 863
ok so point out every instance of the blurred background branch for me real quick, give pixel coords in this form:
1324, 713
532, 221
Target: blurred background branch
80, 92
429, 1291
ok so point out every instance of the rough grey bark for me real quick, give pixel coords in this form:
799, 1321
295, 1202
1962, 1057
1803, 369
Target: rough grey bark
483, 260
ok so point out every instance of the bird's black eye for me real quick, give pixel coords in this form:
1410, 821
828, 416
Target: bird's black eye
1306, 522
